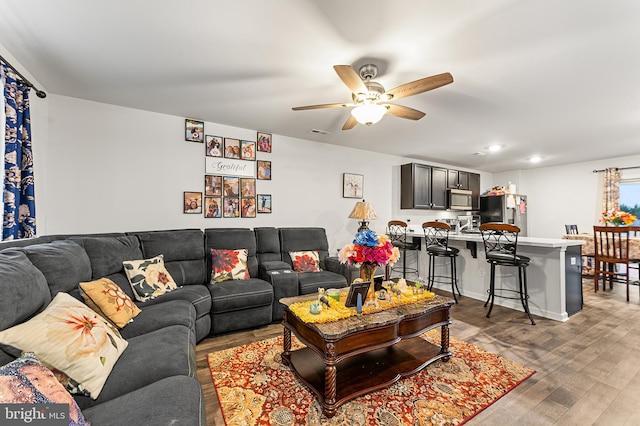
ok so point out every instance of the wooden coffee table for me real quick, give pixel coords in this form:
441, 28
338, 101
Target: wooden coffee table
357, 355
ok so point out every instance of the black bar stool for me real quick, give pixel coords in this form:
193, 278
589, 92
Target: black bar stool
397, 231
500, 246
436, 237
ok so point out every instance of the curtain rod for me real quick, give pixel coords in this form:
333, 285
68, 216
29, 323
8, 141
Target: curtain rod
39, 93
617, 168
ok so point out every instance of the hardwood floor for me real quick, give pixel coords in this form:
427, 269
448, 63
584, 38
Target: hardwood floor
588, 368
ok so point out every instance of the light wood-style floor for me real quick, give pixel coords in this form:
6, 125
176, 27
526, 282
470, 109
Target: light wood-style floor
588, 368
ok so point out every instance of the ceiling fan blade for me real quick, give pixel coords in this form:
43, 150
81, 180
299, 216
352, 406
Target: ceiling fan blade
404, 112
350, 78
350, 123
340, 105
419, 86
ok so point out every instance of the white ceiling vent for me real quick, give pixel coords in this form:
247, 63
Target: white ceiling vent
319, 132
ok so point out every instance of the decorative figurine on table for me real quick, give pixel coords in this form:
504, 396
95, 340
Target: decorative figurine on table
322, 297
402, 284
395, 289
315, 308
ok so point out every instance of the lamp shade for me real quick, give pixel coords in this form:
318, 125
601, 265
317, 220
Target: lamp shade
363, 211
369, 113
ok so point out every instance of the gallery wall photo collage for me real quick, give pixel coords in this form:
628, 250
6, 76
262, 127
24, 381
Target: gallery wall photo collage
232, 174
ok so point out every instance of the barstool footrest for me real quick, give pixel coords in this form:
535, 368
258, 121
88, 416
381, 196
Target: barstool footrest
508, 290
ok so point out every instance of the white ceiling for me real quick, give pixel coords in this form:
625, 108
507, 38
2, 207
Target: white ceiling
558, 78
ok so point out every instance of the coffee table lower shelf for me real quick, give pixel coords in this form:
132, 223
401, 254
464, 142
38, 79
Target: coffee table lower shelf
365, 372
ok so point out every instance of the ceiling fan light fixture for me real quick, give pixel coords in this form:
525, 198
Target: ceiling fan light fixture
369, 113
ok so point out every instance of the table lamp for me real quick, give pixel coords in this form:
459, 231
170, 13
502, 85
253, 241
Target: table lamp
363, 212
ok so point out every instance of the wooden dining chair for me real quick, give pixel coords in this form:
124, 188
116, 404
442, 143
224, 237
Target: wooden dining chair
611, 245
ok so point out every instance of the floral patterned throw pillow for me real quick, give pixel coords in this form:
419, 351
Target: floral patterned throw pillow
107, 299
149, 278
26, 381
72, 338
229, 265
305, 261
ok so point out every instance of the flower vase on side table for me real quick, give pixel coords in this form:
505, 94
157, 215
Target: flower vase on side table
367, 271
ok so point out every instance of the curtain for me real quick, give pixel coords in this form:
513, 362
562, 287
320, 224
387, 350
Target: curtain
19, 219
611, 193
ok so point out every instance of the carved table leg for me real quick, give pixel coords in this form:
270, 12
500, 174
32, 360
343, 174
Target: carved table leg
330, 373
444, 342
286, 353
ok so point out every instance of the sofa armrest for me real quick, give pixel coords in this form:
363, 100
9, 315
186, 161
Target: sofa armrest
285, 284
350, 272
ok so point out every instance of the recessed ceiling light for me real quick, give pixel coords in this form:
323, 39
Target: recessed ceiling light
495, 148
535, 159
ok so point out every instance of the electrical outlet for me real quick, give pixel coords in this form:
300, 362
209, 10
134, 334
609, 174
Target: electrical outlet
573, 260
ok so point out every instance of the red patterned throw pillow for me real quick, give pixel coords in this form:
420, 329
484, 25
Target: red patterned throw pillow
305, 261
229, 265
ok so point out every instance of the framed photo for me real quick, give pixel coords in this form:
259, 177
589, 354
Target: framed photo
230, 186
264, 142
247, 187
194, 130
212, 186
231, 148
213, 146
192, 202
264, 203
248, 207
354, 290
264, 170
231, 207
248, 150
212, 207
352, 185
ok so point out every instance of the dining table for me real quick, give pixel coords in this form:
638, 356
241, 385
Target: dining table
589, 252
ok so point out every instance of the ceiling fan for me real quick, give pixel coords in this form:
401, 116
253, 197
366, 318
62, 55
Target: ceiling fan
371, 101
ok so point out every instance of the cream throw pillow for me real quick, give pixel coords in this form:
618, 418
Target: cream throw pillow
149, 278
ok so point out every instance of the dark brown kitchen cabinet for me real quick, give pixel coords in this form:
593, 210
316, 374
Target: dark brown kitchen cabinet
457, 179
423, 187
474, 186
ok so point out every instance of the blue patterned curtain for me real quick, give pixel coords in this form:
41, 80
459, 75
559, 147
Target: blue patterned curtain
19, 219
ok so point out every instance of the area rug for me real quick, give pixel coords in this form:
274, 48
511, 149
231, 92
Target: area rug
254, 387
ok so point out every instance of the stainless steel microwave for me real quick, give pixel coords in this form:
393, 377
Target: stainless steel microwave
459, 199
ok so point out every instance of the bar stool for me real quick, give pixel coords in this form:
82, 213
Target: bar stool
397, 231
436, 237
500, 247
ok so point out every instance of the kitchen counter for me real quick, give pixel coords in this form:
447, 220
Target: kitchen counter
554, 275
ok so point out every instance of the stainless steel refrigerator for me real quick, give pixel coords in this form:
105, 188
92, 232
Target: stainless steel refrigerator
508, 208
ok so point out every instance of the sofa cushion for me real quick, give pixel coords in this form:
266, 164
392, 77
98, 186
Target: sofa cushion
148, 278
26, 381
109, 301
228, 265
159, 316
72, 338
233, 239
107, 253
302, 239
183, 251
23, 288
267, 244
234, 295
64, 264
309, 282
305, 261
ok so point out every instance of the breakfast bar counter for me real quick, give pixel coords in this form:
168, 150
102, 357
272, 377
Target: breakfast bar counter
554, 275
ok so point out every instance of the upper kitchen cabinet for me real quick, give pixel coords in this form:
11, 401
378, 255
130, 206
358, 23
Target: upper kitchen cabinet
457, 179
474, 186
423, 187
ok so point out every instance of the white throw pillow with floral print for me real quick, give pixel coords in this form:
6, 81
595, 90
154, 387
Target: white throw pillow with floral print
148, 278
70, 337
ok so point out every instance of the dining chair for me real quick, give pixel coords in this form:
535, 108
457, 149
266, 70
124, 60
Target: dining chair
611, 245
436, 237
397, 231
571, 229
501, 247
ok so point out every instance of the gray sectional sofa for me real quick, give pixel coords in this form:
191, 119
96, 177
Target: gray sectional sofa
154, 380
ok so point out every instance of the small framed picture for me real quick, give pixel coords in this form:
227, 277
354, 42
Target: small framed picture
231, 148
231, 207
264, 203
264, 142
192, 202
264, 170
352, 185
354, 290
194, 130
213, 146
212, 207
230, 186
212, 186
248, 207
248, 150
247, 187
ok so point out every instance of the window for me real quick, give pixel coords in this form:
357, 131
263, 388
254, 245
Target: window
630, 193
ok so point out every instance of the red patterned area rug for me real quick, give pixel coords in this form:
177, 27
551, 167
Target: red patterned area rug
255, 388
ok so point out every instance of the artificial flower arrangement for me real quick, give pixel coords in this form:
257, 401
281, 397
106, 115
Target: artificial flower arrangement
617, 218
369, 249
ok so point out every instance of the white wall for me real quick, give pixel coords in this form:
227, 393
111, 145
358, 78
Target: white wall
111, 168
569, 194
